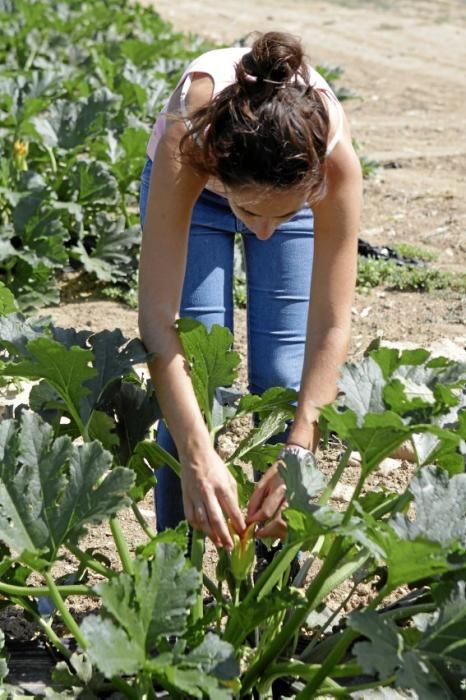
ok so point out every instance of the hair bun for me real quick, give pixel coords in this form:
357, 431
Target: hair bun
275, 57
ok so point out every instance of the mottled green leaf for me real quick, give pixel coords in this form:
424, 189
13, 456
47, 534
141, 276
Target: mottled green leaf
273, 423
7, 301
303, 481
432, 663
110, 648
51, 489
440, 508
66, 370
212, 361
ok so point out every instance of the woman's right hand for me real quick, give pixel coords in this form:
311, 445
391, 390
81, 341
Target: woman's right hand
209, 494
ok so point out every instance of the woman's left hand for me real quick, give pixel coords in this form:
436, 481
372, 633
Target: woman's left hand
267, 504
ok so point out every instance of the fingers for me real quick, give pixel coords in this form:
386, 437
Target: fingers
255, 501
229, 503
276, 528
208, 517
267, 502
220, 533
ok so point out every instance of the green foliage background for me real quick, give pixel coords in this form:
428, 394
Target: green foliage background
80, 87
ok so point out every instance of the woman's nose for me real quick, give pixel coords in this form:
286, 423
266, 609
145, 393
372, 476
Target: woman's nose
264, 229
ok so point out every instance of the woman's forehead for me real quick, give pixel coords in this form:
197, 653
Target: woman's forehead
268, 202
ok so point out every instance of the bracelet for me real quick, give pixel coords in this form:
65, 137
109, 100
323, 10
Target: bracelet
301, 453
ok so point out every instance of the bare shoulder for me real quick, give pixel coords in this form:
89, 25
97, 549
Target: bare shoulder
343, 160
198, 94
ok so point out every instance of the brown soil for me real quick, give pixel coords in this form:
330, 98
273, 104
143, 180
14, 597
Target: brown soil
405, 64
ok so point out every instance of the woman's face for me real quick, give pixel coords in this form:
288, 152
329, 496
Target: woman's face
262, 211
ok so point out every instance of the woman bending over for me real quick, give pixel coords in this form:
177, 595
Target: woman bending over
252, 140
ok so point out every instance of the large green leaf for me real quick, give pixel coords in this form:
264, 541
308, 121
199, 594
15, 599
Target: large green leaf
414, 560
50, 489
303, 481
135, 410
248, 616
7, 301
157, 601
212, 361
272, 399
112, 251
306, 526
114, 358
16, 331
362, 386
440, 508
66, 370
93, 182
432, 662
273, 423
142, 610
375, 437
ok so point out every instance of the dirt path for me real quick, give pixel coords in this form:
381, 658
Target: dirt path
405, 62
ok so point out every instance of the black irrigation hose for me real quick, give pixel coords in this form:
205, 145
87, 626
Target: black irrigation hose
385, 253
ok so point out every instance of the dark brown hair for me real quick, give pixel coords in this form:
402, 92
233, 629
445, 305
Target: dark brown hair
268, 128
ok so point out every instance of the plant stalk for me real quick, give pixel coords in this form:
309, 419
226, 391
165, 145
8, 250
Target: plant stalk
336, 476
142, 521
125, 688
67, 618
91, 563
213, 589
121, 545
348, 636
309, 692
197, 555
10, 590
45, 626
297, 618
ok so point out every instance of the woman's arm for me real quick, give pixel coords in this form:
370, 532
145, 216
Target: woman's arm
336, 225
208, 487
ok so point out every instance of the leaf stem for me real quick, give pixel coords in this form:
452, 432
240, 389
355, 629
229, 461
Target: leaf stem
315, 640
348, 636
121, 545
67, 618
332, 659
336, 476
91, 563
45, 626
213, 589
197, 555
296, 669
10, 590
343, 692
125, 688
142, 521
288, 630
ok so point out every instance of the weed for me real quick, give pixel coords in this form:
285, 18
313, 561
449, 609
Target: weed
407, 250
409, 278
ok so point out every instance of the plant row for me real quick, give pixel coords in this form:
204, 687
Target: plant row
80, 86
81, 449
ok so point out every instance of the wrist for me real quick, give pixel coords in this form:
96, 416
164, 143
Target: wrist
305, 436
194, 449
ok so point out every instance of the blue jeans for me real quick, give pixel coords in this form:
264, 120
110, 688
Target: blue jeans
278, 275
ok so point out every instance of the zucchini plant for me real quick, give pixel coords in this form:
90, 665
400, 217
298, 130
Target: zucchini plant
82, 450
